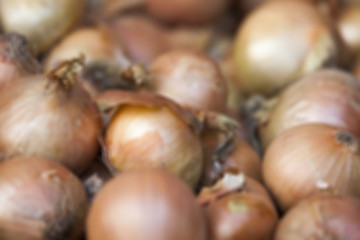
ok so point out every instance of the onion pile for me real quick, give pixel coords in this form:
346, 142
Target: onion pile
40, 200
322, 217
42, 22
309, 159
280, 42
147, 131
50, 116
191, 79
328, 96
146, 204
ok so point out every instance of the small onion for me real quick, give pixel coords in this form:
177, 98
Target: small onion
50, 116
328, 96
280, 42
16, 58
191, 79
349, 27
40, 200
145, 204
309, 159
42, 22
147, 131
322, 217
243, 213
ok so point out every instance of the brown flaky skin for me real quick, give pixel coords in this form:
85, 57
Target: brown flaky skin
322, 217
191, 79
40, 118
42, 22
241, 216
327, 96
145, 204
187, 11
308, 159
40, 200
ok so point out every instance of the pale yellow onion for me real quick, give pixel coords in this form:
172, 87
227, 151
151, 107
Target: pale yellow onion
278, 43
42, 22
309, 159
328, 96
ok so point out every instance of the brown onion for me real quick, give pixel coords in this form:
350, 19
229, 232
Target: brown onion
40, 200
309, 159
280, 42
144, 39
42, 22
191, 79
231, 183
16, 59
322, 217
349, 27
145, 204
328, 96
147, 131
50, 116
241, 216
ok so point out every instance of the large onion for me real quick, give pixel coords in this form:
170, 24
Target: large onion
311, 158
16, 59
145, 204
40, 200
50, 116
280, 42
191, 79
322, 217
327, 96
42, 22
146, 131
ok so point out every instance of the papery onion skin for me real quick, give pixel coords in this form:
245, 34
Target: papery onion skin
241, 216
40, 200
294, 41
42, 22
308, 159
322, 217
97, 45
147, 131
186, 11
191, 79
146, 204
327, 96
40, 117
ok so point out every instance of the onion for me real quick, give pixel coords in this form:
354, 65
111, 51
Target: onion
16, 58
191, 79
50, 116
42, 22
328, 96
280, 42
349, 27
40, 200
104, 57
144, 39
145, 204
311, 158
322, 217
229, 184
240, 214
146, 131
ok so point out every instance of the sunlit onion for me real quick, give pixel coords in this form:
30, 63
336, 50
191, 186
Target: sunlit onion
308, 159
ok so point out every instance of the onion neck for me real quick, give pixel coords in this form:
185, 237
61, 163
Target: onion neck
348, 141
66, 74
